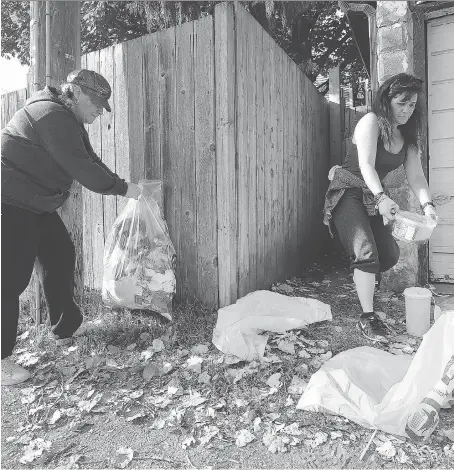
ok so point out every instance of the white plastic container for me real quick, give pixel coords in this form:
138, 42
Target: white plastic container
417, 310
413, 228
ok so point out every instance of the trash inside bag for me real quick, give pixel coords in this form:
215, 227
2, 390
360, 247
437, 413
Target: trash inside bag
238, 326
379, 390
139, 257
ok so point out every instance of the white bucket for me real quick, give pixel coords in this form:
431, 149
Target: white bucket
417, 310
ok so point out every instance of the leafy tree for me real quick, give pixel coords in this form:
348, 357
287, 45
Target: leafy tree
316, 35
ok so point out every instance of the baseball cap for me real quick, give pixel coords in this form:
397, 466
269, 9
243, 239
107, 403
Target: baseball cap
93, 84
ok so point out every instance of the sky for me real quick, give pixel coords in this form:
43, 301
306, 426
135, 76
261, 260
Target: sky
13, 75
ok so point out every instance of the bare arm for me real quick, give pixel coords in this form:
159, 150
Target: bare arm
415, 176
365, 137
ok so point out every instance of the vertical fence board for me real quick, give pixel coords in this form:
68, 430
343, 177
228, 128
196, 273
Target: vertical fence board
169, 149
151, 77
261, 136
121, 125
205, 162
252, 154
97, 213
242, 110
184, 151
108, 136
135, 96
267, 197
225, 151
87, 214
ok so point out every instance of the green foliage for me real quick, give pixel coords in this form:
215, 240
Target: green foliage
316, 35
16, 30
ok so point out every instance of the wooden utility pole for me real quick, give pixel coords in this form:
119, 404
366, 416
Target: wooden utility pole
61, 39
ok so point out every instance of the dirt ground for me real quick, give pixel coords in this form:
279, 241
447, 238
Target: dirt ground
136, 392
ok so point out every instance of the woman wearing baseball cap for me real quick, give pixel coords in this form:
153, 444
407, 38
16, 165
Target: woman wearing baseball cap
45, 147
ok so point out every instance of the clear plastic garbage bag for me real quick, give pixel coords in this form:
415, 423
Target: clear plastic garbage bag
377, 389
139, 257
239, 325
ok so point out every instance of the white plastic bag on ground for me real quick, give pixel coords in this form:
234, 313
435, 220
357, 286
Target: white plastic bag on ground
238, 326
139, 256
377, 389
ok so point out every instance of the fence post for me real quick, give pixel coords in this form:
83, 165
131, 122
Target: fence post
335, 117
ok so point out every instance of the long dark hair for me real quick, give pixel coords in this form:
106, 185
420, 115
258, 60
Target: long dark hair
405, 84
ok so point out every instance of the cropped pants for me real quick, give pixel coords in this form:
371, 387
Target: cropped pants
367, 241
25, 237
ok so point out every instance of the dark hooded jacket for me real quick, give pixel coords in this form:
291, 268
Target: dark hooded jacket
44, 149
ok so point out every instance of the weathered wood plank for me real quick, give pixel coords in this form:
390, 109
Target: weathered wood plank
106, 69
260, 72
135, 96
225, 152
171, 154
205, 153
121, 123
252, 149
93, 63
87, 212
151, 68
185, 146
242, 152
268, 91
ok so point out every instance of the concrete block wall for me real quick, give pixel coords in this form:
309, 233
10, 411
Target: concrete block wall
395, 52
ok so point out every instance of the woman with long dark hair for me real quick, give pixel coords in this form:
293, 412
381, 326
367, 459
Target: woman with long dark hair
356, 203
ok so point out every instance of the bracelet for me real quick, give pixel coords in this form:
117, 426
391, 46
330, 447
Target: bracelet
379, 198
429, 203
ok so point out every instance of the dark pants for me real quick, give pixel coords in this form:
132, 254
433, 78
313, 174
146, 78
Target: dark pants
366, 239
25, 237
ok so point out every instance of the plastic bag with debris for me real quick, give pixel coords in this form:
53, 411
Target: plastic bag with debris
139, 256
379, 390
239, 326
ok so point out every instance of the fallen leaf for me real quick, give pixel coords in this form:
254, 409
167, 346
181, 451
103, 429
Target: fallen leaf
292, 429
315, 350
195, 364
209, 433
35, 449
166, 368
199, 349
71, 463
328, 355
335, 435
55, 417
193, 400
243, 437
297, 386
188, 442
93, 362
275, 443
286, 346
151, 371
449, 433
131, 346
158, 345
402, 457
289, 401
322, 343
274, 380
257, 422
136, 394
318, 439
123, 457
158, 424
204, 378
138, 415
387, 450
303, 354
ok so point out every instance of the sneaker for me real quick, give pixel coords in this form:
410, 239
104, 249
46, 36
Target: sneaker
12, 374
373, 328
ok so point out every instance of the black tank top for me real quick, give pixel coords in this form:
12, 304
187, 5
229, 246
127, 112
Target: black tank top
385, 161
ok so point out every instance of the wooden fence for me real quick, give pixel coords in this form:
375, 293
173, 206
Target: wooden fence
238, 135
